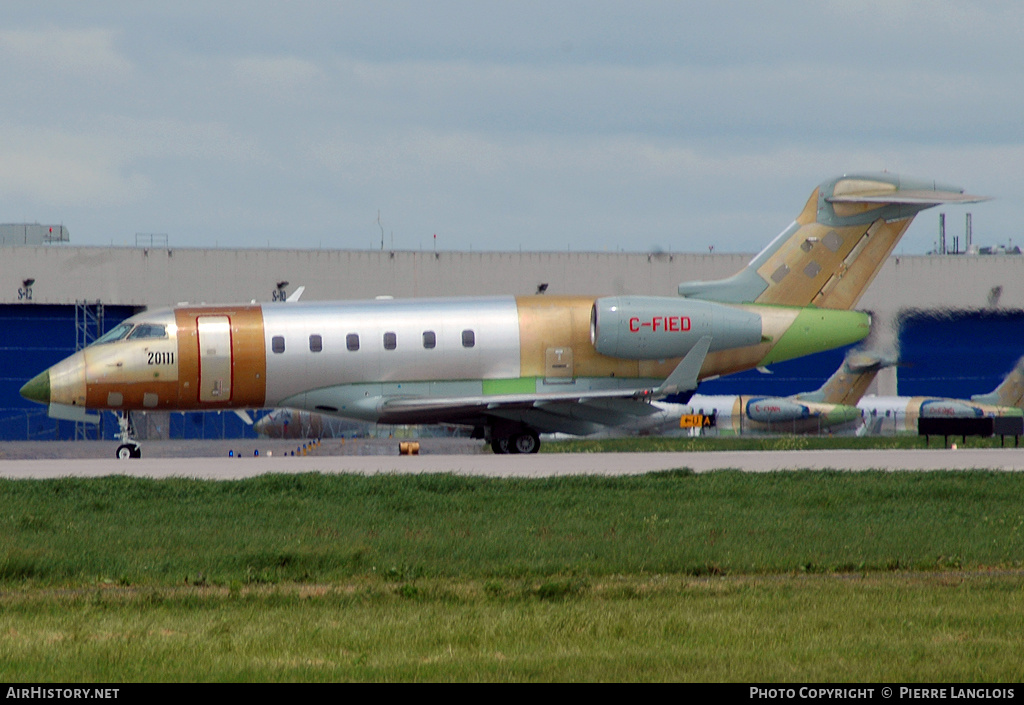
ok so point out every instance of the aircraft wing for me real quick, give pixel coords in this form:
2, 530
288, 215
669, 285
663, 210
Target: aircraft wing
575, 413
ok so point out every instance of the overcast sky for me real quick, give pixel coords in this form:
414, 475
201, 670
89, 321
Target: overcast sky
587, 126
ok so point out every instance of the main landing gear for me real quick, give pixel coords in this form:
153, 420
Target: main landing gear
521, 441
129, 447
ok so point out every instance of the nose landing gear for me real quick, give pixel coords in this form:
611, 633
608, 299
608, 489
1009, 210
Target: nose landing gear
129, 447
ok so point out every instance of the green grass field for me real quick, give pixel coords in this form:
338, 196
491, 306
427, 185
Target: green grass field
793, 576
669, 444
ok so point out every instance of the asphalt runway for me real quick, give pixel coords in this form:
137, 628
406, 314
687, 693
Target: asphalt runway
477, 462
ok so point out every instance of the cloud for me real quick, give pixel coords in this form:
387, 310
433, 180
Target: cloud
276, 74
65, 53
584, 125
110, 165
46, 166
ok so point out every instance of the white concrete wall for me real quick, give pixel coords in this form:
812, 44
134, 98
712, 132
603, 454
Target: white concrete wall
158, 277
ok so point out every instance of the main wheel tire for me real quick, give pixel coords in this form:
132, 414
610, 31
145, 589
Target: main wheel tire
525, 443
500, 446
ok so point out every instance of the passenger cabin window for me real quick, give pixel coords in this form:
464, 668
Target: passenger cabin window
277, 344
390, 341
352, 341
468, 339
429, 339
316, 343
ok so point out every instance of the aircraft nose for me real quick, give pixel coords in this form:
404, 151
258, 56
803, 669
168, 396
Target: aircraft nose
38, 388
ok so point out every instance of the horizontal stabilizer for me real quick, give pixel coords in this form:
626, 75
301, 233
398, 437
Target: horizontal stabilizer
912, 197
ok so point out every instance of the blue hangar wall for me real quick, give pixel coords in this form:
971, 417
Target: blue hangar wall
36, 336
957, 354
33, 337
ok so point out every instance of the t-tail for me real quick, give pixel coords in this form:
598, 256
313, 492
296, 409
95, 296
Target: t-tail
849, 383
834, 249
1010, 391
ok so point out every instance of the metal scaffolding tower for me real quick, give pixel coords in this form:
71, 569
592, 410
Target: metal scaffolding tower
88, 327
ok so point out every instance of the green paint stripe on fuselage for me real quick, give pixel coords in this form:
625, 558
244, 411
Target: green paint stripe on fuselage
518, 385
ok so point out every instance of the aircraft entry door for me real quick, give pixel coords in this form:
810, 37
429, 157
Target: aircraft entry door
214, 358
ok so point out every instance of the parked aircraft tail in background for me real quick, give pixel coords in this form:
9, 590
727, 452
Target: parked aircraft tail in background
1010, 391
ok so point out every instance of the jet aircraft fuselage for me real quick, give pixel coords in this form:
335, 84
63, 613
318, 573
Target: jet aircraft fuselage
478, 361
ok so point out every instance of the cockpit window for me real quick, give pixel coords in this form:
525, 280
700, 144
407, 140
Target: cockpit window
148, 330
132, 332
116, 333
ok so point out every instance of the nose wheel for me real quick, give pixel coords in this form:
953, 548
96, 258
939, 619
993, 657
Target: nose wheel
129, 447
129, 450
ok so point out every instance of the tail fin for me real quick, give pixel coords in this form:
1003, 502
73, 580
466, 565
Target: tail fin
850, 381
1010, 391
835, 247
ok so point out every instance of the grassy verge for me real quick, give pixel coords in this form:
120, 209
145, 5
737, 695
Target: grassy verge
652, 444
816, 576
317, 528
883, 628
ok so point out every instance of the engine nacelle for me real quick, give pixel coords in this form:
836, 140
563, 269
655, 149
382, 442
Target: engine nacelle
660, 327
775, 409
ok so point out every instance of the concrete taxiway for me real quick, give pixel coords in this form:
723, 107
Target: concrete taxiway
542, 465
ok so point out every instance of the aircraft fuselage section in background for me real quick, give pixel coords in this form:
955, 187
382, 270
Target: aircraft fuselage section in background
901, 414
751, 414
348, 358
